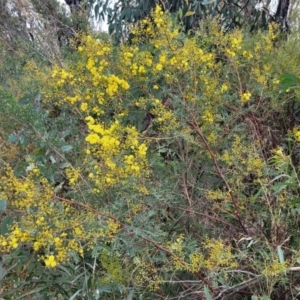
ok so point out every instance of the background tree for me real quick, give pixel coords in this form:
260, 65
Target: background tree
231, 14
38, 31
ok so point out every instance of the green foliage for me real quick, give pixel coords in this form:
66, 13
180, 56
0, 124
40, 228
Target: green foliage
167, 168
231, 14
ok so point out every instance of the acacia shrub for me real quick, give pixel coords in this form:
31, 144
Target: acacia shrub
184, 179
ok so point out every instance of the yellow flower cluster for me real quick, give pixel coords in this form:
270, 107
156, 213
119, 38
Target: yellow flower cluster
274, 30
72, 175
177, 246
219, 255
164, 116
279, 158
214, 255
66, 85
234, 44
296, 133
275, 269
50, 261
245, 97
119, 152
255, 165
53, 229
197, 261
14, 239
207, 117
217, 195
244, 158
147, 28
146, 275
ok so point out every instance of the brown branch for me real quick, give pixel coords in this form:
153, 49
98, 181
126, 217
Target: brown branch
195, 126
72, 202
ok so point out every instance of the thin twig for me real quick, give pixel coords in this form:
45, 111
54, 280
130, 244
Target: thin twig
195, 126
160, 247
97, 212
206, 215
237, 287
241, 271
